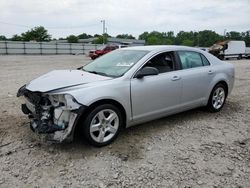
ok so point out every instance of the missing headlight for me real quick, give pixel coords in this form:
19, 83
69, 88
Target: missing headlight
65, 100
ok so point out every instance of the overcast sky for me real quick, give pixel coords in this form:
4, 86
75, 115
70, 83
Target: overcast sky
65, 17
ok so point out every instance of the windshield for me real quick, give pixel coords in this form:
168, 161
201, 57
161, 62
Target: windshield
115, 63
101, 47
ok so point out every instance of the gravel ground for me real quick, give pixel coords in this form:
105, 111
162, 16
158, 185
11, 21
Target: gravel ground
191, 149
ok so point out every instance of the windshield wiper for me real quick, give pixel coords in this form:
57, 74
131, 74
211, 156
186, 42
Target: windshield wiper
79, 68
95, 72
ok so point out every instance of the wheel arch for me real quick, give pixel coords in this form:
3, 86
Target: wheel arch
223, 82
209, 104
106, 101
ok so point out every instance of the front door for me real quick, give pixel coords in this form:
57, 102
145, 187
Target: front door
156, 95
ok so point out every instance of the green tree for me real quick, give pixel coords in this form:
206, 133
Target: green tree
84, 36
152, 40
36, 34
233, 35
246, 38
157, 38
204, 38
187, 42
100, 39
72, 39
168, 41
170, 38
17, 38
207, 38
183, 36
2, 37
143, 36
96, 35
125, 36
170, 34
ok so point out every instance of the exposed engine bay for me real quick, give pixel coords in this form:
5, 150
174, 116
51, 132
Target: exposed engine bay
53, 115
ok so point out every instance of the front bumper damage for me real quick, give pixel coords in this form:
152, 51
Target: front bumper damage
56, 120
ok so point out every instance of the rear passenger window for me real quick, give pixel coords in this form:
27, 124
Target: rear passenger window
190, 59
205, 61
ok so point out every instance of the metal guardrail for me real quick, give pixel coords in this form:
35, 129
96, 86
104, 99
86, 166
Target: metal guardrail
44, 48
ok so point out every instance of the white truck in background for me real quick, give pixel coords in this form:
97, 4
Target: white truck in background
230, 49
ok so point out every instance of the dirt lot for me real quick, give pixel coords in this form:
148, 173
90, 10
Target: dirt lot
191, 149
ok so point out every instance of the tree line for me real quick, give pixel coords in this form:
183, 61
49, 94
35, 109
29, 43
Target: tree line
203, 38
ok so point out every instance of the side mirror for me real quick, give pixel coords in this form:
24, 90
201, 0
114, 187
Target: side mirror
146, 71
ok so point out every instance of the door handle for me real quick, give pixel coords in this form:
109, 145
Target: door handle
174, 78
210, 72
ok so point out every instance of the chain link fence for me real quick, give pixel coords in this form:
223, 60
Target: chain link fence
44, 48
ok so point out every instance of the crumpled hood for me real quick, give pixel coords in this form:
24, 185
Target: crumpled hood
61, 79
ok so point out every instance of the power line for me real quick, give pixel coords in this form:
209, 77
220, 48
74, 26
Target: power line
47, 27
19, 25
73, 27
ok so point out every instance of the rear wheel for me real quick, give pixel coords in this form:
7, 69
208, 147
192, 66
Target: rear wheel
102, 125
217, 98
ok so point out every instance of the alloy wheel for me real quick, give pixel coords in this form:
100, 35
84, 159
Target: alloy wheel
218, 98
104, 125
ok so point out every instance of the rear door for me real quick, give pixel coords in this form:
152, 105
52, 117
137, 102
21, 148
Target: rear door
197, 75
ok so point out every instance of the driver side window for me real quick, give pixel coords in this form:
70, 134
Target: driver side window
163, 62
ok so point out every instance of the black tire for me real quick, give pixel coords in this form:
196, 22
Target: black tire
221, 57
89, 119
210, 104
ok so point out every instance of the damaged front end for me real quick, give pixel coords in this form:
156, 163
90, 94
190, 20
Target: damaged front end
55, 115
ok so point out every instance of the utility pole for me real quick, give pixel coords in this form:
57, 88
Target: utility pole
103, 31
225, 32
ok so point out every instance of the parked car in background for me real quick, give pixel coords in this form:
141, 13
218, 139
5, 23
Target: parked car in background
123, 88
93, 54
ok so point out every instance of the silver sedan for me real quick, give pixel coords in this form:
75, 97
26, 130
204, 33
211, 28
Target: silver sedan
124, 88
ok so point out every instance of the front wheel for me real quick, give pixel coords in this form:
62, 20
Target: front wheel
102, 125
217, 98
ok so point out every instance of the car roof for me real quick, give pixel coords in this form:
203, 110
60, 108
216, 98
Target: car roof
154, 48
